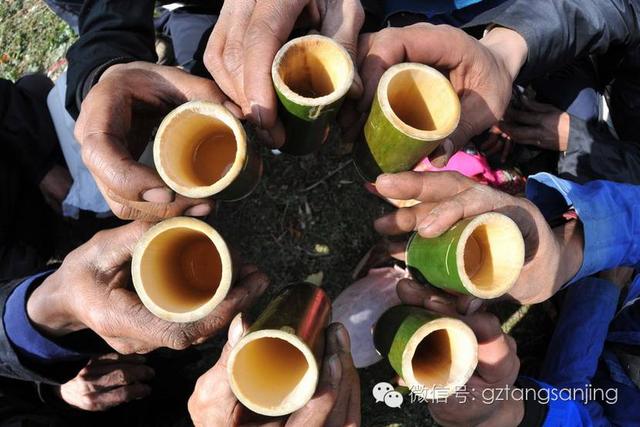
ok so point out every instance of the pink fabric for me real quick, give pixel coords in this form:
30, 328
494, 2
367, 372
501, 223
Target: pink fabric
470, 165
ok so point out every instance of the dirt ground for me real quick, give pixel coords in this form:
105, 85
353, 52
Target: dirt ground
308, 215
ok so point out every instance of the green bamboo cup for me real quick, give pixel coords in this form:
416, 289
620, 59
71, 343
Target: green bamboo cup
414, 109
182, 269
274, 369
201, 150
311, 76
435, 355
480, 256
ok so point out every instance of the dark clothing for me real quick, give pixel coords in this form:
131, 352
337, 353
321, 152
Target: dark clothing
111, 31
31, 149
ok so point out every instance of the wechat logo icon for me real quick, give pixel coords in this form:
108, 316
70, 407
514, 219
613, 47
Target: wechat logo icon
384, 392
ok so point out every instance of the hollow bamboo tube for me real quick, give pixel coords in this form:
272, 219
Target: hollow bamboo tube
435, 355
480, 256
201, 150
414, 109
311, 76
274, 369
181, 269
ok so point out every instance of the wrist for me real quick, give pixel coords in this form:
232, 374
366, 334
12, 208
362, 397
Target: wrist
508, 47
571, 242
48, 308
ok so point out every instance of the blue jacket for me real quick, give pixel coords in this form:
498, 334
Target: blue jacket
578, 358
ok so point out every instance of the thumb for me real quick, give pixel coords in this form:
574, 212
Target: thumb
113, 248
342, 23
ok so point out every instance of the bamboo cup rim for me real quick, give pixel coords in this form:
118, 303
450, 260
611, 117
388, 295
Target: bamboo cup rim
300, 393
436, 82
505, 239
144, 246
345, 78
214, 112
462, 342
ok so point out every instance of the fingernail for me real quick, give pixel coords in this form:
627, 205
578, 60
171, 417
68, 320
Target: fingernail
383, 178
448, 148
335, 368
198, 210
415, 285
343, 339
425, 226
233, 108
440, 300
236, 331
255, 113
474, 306
159, 195
265, 137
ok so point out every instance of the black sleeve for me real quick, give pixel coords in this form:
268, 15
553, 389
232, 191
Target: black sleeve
27, 134
557, 31
594, 153
111, 31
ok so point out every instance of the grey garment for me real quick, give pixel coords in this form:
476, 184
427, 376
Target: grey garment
594, 153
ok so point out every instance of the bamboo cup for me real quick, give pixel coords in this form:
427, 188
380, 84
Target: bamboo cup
311, 76
201, 150
435, 355
480, 256
181, 269
274, 369
414, 109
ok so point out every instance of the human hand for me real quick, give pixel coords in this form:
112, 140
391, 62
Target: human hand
108, 381
335, 403
484, 401
541, 125
482, 72
91, 290
115, 126
552, 257
247, 37
55, 186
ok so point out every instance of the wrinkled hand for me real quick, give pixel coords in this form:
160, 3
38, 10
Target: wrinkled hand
115, 126
481, 72
552, 257
90, 290
498, 366
247, 37
541, 125
108, 381
335, 403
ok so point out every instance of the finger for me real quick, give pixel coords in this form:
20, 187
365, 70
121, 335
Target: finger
521, 133
490, 142
497, 355
523, 117
111, 358
342, 412
223, 56
397, 250
411, 292
107, 377
383, 50
472, 201
403, 220
423, 186
104, 400
538, 107
342, 23
508, 144
110, 249
268, 30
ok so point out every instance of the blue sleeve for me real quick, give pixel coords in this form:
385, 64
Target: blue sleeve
26, 340
563, 411
608, 212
